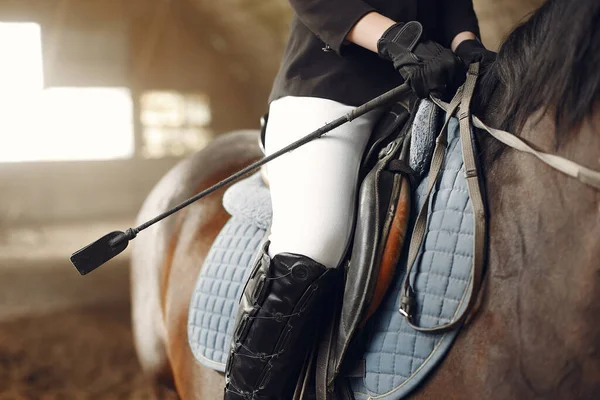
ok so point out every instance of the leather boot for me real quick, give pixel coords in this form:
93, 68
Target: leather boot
276, 323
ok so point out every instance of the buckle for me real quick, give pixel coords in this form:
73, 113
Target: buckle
407, 303
389, 149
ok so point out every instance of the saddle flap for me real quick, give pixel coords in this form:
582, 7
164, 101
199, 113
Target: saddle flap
389, 123
379, 193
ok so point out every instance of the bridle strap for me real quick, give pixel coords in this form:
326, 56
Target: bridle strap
407, 301
579, 172
463, 96
408, 297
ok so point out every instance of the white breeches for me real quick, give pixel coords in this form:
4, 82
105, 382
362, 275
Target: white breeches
314, 188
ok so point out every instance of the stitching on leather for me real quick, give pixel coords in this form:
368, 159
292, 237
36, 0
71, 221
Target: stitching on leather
405, 27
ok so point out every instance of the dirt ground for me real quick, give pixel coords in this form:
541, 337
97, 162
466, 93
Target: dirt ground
82, 353
64, 336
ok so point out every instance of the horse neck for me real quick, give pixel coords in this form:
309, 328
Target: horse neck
543, 276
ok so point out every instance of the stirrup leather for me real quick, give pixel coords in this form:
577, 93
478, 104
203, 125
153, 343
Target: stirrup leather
275, 326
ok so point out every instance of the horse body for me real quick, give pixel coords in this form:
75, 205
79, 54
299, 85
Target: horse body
543, 284
536, 334
167, 259
530, 338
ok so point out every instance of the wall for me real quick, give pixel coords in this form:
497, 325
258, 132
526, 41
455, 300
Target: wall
498, 17
63, 191
144, 45
229, 49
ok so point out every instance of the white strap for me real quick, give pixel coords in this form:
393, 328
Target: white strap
583, 174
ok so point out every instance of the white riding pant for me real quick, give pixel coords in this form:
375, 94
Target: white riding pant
314, 188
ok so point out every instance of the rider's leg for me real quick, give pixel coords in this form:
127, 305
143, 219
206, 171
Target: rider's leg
313, 190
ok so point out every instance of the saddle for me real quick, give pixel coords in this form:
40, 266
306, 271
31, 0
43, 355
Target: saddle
383, 218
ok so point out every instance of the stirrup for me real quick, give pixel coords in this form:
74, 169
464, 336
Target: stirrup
274, 327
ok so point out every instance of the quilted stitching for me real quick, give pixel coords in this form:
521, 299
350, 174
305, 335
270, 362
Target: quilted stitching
219, 285
397, 357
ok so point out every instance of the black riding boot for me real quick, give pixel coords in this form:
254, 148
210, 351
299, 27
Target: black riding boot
275, 326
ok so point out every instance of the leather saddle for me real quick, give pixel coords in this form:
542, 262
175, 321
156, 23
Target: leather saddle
382, 217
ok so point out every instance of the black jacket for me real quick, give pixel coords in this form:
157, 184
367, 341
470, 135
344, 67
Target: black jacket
318, 63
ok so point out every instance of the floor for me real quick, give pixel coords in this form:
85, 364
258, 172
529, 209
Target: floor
62, 335
36, 275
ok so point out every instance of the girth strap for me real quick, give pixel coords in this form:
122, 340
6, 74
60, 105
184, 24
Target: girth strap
408, 297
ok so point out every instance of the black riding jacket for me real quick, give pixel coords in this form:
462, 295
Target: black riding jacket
317, 62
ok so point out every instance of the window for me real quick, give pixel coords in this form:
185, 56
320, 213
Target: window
174, 123
62, 123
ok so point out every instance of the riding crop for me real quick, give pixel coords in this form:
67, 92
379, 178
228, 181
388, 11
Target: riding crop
97, 253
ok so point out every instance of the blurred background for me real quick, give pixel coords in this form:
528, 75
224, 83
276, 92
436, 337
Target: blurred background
98, 99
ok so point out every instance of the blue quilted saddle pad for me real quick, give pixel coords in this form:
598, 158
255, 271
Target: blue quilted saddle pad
395, 358
398, 358
218, 288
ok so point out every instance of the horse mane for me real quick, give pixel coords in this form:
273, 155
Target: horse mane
551, 62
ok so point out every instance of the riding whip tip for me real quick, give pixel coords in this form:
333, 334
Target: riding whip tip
99, 252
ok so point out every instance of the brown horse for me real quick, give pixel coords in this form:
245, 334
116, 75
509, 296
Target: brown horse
537, 331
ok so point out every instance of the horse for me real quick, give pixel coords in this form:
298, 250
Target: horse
536, 333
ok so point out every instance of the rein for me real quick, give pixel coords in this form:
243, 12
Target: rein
582, 174
460, 103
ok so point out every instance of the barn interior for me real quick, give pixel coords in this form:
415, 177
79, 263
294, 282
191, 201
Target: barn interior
99, 99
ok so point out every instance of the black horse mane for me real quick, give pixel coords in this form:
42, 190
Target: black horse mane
551, 62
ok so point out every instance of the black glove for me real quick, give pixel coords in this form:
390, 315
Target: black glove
473, 50
425, 65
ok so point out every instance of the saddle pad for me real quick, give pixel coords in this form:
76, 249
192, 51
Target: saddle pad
219, 286
395, 357
250, 201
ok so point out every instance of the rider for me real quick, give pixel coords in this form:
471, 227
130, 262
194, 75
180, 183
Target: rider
337, 57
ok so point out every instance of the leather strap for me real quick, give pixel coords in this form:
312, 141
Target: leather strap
474, 186
461, 102
303, 383
408, 297
583, 174
568, 167
323, 362
579, 172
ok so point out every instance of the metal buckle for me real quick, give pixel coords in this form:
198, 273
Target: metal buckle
389, 149
407, 303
